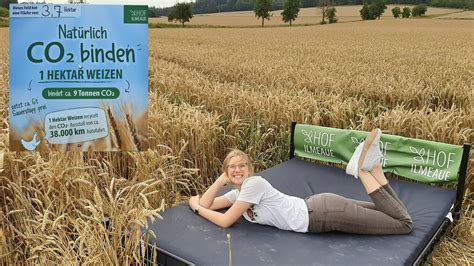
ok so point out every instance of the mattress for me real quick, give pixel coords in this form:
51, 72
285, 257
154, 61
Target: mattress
193, 238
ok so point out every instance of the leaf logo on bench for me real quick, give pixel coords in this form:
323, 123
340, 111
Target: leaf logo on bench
356, 141
420, 153
308, 135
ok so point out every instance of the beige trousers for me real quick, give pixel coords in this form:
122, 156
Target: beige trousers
386, 215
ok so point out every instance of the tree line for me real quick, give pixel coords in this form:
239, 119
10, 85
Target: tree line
373, 9
214, 6
417, 11
183, 12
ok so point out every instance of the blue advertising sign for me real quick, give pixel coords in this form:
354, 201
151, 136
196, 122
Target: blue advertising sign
78, 77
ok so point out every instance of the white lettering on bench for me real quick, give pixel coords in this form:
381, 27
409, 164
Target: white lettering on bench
430, 172
436, 158
435, 163
384, 146
318, 138
318, 150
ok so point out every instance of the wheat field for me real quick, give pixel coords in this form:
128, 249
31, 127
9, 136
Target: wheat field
309, 16
215, 89
459, 15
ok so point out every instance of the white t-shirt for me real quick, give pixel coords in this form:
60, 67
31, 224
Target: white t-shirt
270, 206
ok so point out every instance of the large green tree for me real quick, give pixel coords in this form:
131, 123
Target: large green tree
324, 5
379, 8
328, 11
366, 12
406, 12
262, 10
372, 10
291, 9
331, 14
182, 12
419, 10
396, 11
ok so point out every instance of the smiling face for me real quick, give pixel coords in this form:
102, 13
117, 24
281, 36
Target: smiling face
238, 170
237, 166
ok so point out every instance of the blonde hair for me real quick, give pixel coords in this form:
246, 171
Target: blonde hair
233, 153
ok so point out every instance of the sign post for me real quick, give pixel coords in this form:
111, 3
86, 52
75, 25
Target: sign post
78, 77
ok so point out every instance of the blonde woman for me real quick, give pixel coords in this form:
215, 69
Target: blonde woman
254, 198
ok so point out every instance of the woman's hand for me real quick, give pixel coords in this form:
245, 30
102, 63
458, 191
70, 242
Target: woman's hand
223, 179
209, 200
194, 202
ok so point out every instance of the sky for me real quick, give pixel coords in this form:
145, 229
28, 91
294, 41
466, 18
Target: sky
156, 3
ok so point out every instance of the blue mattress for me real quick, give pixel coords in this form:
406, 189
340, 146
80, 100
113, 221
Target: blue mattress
199, 241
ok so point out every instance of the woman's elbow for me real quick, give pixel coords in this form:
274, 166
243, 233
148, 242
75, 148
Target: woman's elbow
226, 224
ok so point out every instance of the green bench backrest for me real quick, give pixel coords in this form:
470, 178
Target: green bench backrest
421, 160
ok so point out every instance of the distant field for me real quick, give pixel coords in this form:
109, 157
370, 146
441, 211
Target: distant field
306, 16
460, 15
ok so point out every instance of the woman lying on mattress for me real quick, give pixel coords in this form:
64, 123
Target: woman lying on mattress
255, 199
